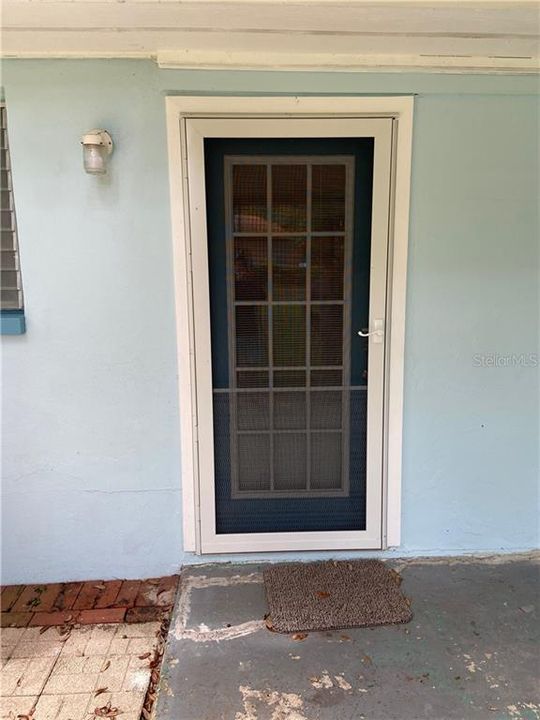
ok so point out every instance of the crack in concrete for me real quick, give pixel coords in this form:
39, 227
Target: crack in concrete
203, 633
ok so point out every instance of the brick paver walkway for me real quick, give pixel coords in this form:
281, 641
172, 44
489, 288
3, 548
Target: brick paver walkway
87, 603
84, 673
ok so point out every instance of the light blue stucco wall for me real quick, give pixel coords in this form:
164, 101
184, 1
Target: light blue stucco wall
91, 460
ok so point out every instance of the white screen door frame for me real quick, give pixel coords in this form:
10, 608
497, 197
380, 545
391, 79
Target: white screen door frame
389, 122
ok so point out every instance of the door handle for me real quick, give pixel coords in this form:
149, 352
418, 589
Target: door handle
377, 332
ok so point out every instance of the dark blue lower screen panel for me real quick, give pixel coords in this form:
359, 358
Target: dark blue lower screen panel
291, 514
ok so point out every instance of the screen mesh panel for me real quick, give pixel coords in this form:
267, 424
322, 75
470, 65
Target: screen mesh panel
250, 269
290, 410
328, 197
289, 250
252, 379
289, 197
253, 411
289, 268
250, 198
289, 243
289, 335
325, 378
290, 471
327, 268
254, 462
326, 458
326, 410
251, 335
289, 378
327, 335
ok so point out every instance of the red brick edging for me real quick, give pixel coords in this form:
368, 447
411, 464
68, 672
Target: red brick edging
88, 603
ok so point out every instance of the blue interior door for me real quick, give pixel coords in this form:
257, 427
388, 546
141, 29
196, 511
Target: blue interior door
289, 228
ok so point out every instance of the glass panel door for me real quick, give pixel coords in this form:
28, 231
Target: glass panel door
289, 268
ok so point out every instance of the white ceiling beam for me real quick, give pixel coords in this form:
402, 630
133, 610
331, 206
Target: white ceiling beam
453, 36
153, 42
189, 59
481, 19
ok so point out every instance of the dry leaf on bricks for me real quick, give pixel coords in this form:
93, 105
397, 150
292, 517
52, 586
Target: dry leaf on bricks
107, 711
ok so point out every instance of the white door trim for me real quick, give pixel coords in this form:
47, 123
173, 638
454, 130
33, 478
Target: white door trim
197, 129
191, 289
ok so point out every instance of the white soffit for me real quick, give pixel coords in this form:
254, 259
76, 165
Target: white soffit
445, 35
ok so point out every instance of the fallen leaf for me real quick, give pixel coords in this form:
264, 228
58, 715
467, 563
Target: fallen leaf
146, 655
26, 717
102, 710
100, 691
344, 637
299, 636
107, 711
322, 594
106, 666
268, 622
367, 660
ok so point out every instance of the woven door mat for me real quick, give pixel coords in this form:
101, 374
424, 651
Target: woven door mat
333, 595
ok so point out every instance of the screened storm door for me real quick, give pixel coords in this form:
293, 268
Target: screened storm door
296, 286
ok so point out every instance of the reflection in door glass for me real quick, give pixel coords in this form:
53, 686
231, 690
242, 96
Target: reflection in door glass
249, 198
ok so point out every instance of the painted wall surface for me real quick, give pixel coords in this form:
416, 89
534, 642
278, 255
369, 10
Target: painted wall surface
91, 460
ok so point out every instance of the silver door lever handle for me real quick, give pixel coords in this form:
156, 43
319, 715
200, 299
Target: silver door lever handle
377, 332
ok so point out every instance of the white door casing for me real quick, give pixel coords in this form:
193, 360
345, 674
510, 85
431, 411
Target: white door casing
389, 122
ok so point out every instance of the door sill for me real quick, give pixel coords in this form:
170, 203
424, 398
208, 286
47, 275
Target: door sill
289, 542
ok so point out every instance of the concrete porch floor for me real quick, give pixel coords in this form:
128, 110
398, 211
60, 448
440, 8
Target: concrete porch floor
471, 650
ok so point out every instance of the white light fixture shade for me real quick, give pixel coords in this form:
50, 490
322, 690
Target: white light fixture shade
97, 146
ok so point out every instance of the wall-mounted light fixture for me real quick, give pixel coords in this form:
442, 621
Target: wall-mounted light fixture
97, 146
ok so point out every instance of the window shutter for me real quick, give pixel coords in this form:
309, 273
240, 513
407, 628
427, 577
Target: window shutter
11, 288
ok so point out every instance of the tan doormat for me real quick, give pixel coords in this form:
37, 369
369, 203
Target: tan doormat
333, 596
